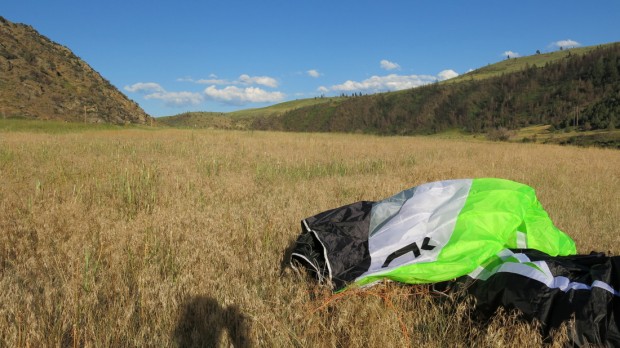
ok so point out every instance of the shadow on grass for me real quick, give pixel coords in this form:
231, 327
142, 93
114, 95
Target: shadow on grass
203, 321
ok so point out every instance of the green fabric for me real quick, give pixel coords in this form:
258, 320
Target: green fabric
494, 211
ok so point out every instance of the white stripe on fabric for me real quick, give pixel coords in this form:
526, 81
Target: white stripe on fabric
521, 257
476, 273
545, 276
309, 263
521, 240
329, 267
604, 286
506, 253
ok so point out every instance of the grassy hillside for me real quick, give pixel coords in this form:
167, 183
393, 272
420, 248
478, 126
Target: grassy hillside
241, 119
520, 63
280, 108
175, 237
197, 120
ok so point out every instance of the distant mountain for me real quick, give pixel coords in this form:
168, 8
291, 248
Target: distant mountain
40, 79
577, 89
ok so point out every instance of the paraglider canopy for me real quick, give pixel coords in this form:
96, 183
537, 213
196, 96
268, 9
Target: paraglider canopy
489, 236
430, 233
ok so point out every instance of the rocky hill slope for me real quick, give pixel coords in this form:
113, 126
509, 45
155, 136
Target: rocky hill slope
40, 79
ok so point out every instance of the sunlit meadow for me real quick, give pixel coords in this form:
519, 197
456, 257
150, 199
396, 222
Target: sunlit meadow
135, 237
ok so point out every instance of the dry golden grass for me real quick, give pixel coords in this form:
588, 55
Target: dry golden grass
176, 238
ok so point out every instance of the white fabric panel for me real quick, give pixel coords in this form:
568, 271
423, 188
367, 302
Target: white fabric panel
428, 210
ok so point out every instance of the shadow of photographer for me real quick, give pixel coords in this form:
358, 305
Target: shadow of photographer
203, 322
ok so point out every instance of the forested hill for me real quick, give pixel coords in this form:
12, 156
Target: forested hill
581, 90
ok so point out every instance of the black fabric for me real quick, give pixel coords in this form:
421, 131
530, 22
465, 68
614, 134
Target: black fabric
594, 310
310, 248
344, 234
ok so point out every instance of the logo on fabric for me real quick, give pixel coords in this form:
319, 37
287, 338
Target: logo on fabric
413, 247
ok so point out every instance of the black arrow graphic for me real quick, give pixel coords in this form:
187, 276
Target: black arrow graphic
413, 247
426, 246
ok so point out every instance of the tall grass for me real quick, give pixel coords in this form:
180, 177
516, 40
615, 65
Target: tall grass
176, 238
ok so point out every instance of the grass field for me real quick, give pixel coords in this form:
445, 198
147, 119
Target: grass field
134, 237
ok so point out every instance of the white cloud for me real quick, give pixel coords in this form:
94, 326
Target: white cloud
392, 82
144, 87
313, 73
213, 81
258, 80
177, 98
243, 79
153, 90
447, 74
240, 96
323, 89
387, 65
565, 44
511, 54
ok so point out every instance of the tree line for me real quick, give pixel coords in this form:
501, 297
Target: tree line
578, 91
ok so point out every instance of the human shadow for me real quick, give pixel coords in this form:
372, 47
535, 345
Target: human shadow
203, 321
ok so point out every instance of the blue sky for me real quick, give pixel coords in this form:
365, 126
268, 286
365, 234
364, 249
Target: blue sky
177, 56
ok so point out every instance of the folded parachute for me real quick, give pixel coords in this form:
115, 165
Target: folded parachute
490, 234
430, 233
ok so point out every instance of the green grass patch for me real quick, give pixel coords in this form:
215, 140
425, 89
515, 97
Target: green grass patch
281, 108
603, 139
307, 171
546, 135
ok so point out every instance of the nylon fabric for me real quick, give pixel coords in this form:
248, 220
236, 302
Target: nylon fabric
579, 287
496, 214
423, 225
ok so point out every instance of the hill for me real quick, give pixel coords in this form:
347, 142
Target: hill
578, 91
519, 63
568, 90
242, 119
41, 79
